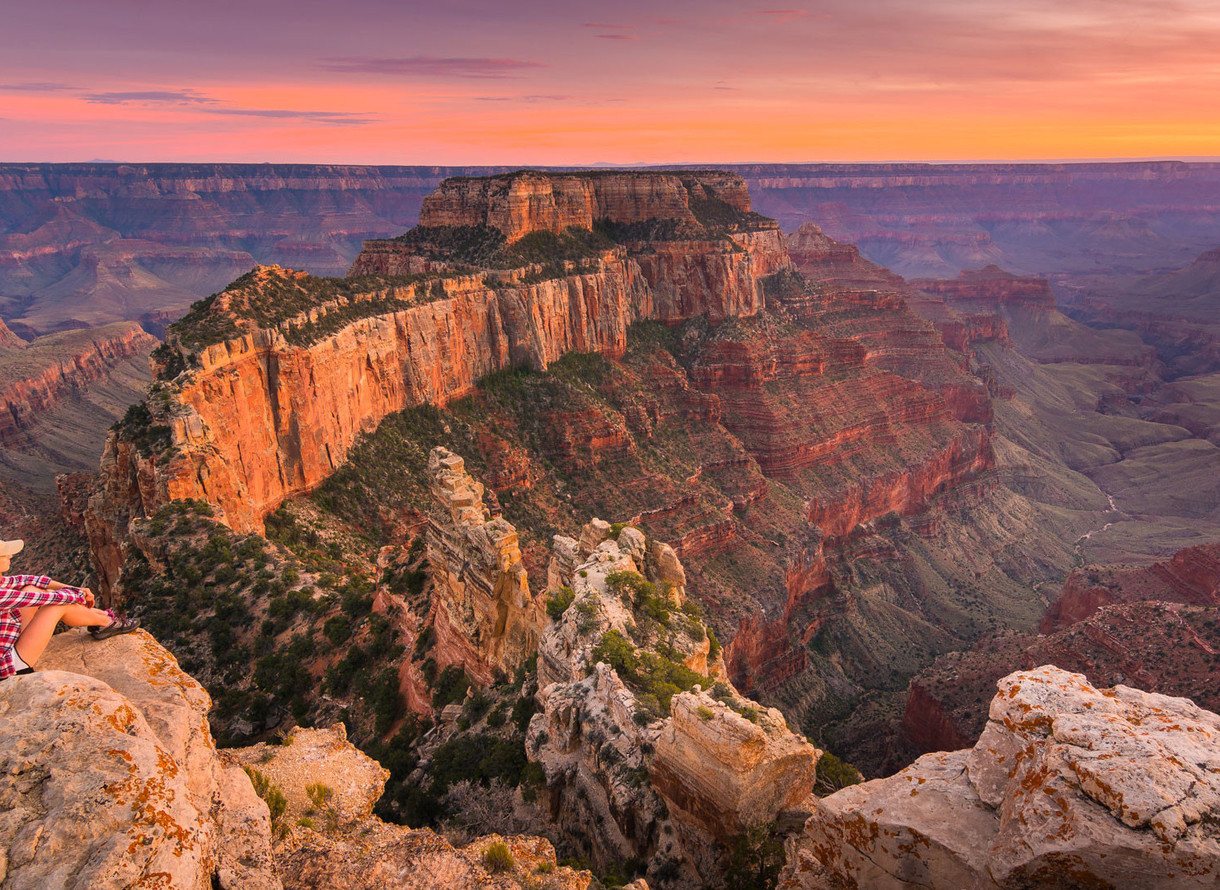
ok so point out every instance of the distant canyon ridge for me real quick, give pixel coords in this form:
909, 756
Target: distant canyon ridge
83, 245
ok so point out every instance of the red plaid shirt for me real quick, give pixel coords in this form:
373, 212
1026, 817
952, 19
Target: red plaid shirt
12, 598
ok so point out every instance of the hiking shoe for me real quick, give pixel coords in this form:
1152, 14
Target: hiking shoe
114, 628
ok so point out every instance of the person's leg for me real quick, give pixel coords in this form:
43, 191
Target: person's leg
38, 627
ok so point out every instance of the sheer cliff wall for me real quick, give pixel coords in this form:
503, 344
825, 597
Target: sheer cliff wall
267, 405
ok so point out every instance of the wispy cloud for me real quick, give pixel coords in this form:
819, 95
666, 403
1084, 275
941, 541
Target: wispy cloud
209, 105
613, 31
546, 97
160, 97
783, 15
343, 118
432, 66
35, 87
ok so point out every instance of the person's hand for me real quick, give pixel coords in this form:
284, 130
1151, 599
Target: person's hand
88, 596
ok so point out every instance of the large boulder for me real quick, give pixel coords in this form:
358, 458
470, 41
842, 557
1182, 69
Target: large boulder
1069, 786
109, 777
326, 835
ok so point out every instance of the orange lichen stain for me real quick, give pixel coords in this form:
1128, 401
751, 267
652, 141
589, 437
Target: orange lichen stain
166, 763
122, 717
157, 880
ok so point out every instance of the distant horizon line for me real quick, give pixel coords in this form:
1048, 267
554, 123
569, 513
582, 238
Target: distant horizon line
605, 165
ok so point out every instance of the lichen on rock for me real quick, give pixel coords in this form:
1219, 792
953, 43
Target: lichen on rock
1069, 785
109, 777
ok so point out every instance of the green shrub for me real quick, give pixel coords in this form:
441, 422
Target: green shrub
277, 804
755, 859
644, 671
833, 774
450, 687
523, 710
337, 629
557, 602
497, 859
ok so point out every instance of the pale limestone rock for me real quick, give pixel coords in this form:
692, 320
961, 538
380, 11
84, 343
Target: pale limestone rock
112, 778
665, 564
592, 535
627, 781
565, 554
336, 843
485, 617
725, 772
380, 856
1068, 786
631, 541
311, 756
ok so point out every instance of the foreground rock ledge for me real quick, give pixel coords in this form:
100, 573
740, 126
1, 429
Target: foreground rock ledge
109, 778
1069, 786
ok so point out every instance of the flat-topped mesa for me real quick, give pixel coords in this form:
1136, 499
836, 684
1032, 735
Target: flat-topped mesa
483, 614
990, 286
265, 387
531, 201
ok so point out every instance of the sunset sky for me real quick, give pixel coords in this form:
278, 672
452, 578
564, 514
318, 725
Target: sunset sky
576, 82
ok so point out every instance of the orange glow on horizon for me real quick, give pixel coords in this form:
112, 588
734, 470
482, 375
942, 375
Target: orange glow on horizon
950, 81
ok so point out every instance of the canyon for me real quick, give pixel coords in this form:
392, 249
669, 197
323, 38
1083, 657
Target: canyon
60, 393
350, 498
143, 241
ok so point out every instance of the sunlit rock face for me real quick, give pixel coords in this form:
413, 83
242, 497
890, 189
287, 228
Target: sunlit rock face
663, 781
486, 619
1069, 785
520, 203
270, 400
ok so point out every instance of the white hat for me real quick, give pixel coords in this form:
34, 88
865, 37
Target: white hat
11, 548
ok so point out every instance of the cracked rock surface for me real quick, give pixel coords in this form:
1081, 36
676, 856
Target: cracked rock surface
109, 777
1069, 785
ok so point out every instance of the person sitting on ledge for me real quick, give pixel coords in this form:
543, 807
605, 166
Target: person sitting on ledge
31, 606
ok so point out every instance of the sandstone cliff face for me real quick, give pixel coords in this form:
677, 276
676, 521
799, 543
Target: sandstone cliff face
273, 408
1192, 575
483, 614
725, 773
658, 783
1068, 784
520, 203
946, 704
34, 377
111, 778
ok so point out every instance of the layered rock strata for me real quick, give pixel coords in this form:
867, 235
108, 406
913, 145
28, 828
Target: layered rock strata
636, 780
1069, 784
37, 376
267, 402
111, 778
946, 705
531, 201
1192, 575
483, 613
